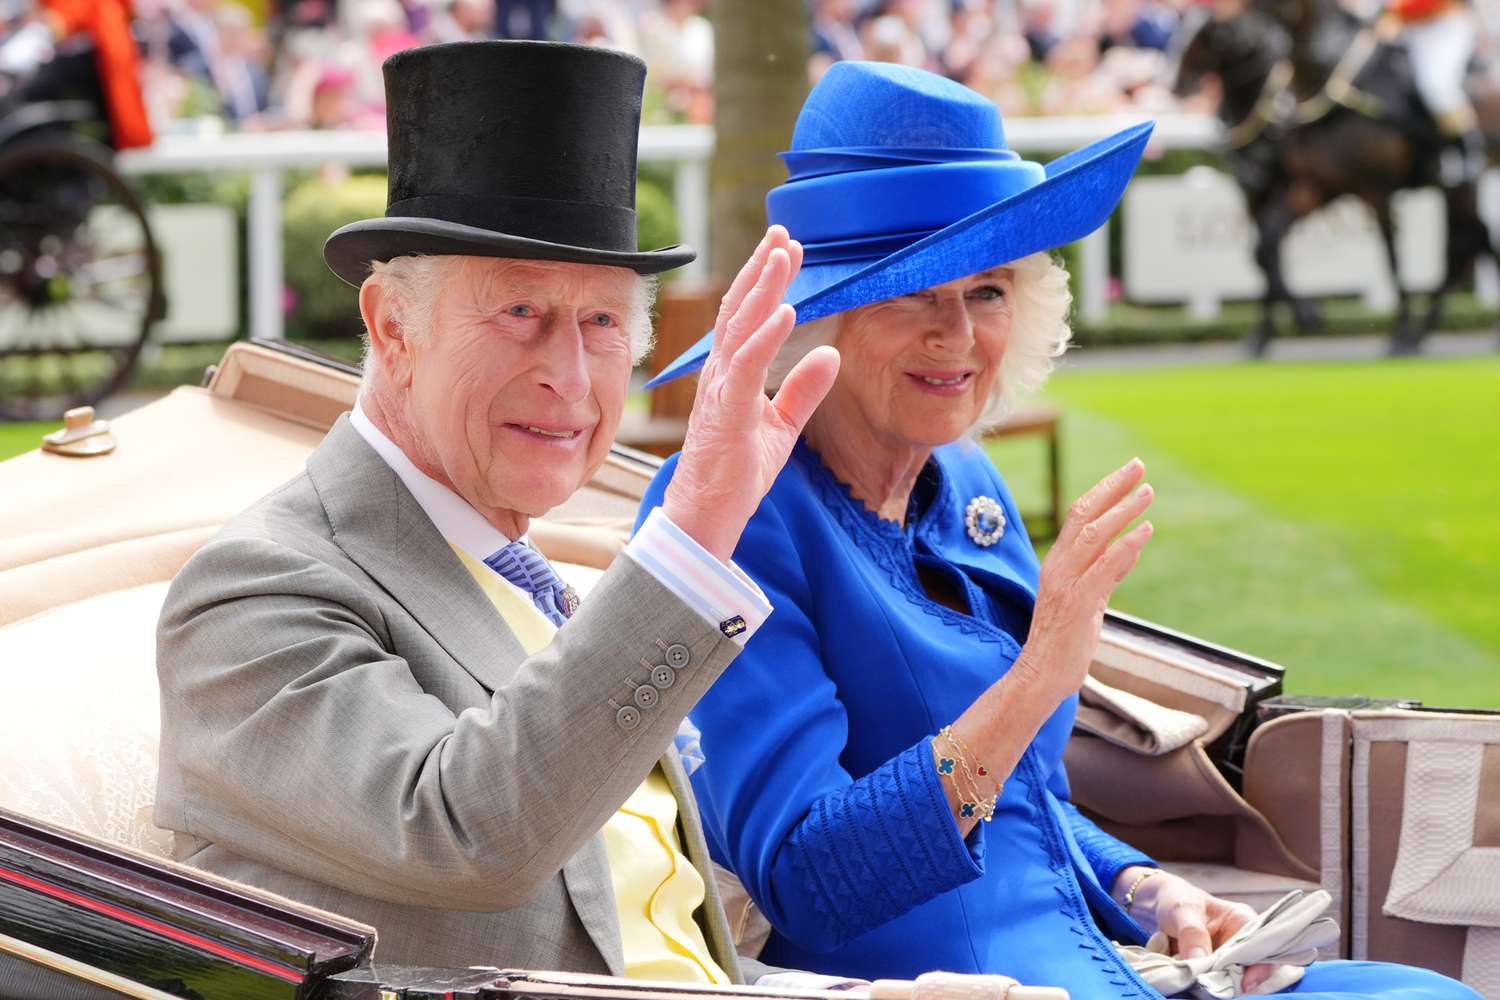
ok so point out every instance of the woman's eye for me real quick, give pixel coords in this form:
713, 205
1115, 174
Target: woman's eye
989, 292
520, 309
602, 319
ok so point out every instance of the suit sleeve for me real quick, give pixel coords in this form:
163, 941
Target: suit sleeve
293, 736
825, 856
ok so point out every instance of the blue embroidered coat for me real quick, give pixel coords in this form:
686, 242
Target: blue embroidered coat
819, 790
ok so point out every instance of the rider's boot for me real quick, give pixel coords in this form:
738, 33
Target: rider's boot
1464, 155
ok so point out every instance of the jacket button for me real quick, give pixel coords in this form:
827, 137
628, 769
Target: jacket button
646, 696
677, 656
663, 677
628, 717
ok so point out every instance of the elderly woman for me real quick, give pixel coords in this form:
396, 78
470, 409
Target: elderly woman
884, 763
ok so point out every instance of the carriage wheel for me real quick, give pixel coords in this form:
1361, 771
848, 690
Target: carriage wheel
80, 278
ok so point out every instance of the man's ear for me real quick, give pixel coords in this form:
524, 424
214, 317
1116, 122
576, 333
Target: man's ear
388, 342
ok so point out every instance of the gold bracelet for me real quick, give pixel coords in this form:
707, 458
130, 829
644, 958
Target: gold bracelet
1142, 877
971, 802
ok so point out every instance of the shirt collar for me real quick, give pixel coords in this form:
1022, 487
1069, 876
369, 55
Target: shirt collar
450, 513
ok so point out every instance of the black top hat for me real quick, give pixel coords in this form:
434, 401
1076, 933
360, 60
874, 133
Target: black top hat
508, 149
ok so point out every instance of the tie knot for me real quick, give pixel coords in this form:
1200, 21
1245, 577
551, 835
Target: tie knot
529, 571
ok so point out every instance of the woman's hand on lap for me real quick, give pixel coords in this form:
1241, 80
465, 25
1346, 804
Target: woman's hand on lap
1194, 921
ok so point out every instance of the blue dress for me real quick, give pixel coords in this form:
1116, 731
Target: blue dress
819, 790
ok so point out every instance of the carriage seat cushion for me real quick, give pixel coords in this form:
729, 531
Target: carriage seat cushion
80, 722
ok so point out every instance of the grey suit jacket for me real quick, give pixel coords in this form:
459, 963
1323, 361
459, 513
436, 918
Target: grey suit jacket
347, 721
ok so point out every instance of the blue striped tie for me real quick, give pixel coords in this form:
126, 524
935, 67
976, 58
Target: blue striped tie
525, 567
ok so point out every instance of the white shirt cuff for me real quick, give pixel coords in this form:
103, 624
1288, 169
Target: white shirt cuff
725, 597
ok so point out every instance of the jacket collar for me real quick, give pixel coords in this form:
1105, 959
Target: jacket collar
381, 527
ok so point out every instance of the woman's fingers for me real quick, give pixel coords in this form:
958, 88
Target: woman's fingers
1118, 560
1105, 494
1093, 537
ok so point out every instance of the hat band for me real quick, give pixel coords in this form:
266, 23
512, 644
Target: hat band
886, 202
572, 223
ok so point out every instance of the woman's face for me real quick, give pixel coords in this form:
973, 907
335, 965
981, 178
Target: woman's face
919, 369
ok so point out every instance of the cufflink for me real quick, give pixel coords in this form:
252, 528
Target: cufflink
732, 627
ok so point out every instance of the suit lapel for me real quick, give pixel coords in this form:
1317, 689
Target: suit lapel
381, 527
690, 832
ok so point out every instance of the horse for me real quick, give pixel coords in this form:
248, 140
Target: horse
1302, 132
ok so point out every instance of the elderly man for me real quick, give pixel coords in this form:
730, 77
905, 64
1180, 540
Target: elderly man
377, 698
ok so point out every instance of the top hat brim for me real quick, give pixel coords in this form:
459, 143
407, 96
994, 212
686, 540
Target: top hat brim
350, 249
1076, 197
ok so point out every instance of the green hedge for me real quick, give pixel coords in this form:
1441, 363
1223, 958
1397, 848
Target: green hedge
323, 307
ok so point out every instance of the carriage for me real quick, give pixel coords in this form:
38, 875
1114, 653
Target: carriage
1189, 750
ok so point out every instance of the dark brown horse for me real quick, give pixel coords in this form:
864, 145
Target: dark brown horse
1315, 113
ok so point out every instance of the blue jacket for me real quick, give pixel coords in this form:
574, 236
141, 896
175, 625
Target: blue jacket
819, 790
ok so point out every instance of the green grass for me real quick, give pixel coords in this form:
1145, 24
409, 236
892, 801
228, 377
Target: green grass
1336, 518
16, 438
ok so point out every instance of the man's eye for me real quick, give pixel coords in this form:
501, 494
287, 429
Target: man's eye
521, 309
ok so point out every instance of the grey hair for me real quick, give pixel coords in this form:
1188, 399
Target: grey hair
414, 282
1039, 335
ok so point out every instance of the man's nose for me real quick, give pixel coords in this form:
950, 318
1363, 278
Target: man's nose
563, 365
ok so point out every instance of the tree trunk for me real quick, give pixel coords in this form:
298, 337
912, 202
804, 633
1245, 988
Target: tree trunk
760, 81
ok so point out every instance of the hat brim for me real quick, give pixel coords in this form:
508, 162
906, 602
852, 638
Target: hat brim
1080, 191
350, 250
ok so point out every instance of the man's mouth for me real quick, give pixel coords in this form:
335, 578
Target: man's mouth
554, 433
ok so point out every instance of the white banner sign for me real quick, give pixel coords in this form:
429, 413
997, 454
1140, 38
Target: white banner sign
1188, 239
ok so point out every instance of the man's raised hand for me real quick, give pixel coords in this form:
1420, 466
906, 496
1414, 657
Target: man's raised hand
737, 439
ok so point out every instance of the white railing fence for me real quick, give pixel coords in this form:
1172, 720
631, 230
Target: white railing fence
686, 148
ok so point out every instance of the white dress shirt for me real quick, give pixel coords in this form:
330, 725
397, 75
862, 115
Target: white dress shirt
718, 592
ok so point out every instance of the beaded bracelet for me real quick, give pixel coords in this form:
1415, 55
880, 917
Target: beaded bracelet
953, 763
1136, 884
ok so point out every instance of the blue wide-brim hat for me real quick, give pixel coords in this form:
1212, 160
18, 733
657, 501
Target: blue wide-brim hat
900, 179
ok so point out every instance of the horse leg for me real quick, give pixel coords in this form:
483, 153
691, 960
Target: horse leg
1271, 223
1403, 339
1469, 238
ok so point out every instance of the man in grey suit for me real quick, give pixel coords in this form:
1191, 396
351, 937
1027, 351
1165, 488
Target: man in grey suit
376, 697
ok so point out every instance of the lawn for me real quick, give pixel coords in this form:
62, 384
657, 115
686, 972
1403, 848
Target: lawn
16, 438
1336, 518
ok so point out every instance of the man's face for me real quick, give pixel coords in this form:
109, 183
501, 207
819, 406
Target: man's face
517, 389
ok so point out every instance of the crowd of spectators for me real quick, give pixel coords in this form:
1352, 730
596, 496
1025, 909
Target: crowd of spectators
266, 64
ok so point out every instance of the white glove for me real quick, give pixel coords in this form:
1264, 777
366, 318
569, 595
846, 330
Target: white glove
1288, 935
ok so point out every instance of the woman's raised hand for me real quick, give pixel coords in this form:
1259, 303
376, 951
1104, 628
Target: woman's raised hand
1078, 577
737, 439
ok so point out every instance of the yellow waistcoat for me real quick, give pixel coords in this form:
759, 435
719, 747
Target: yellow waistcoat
657, 889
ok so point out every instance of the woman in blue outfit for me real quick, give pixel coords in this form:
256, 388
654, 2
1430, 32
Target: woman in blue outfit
884, 761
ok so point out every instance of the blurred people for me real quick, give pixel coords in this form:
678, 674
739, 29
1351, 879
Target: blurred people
834, 36
94, 57
525, 18
462, 21
1440, 36
677, 43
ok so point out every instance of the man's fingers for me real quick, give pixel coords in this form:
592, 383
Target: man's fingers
806, 385
746, 374
1105, 494
759, 306
749, 275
